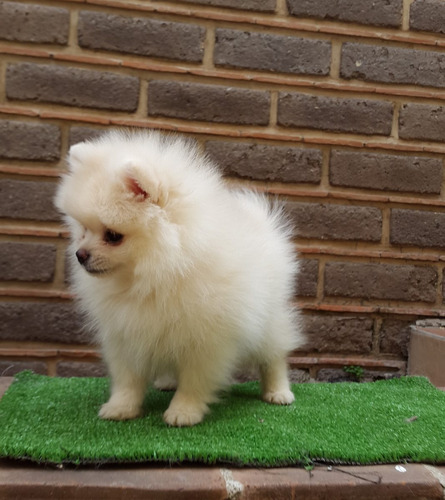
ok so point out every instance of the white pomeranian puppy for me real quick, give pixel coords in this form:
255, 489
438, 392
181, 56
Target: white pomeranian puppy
183, 278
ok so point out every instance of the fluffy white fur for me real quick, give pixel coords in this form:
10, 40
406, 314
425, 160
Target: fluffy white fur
183, 279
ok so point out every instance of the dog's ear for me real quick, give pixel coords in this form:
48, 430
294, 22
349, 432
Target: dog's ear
140, 185
133, 185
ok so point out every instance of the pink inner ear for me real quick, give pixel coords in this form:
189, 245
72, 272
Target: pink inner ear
135, 188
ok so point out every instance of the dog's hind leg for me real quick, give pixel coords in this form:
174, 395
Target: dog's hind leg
275, 382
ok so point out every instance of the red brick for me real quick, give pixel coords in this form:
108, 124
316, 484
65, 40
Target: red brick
423, 122
417, 228
381, 281
392, 65
328, 333
29, 141
385, 172
34, 23
41, 322
336, 222
427, 15
377, 12
72, 86
307, 279
394, 337
27, 200
213, 103
27, 261
141, 36
10, 368
443, 286
264, 162
356, 116
262, 51
80, 369
334, 375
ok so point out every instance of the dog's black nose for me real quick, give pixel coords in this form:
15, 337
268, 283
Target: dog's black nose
82, 255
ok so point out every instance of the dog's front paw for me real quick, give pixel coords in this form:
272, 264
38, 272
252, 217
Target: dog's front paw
284, 397
184, 416
113, 411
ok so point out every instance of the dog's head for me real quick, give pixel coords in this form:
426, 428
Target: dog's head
114, 201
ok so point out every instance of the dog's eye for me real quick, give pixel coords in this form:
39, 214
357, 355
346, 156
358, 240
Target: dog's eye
112, 238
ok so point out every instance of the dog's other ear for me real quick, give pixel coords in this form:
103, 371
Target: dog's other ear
76, 156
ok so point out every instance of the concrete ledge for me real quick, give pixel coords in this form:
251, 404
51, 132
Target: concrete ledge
413, 481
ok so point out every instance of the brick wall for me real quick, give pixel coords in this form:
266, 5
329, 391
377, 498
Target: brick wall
337, 107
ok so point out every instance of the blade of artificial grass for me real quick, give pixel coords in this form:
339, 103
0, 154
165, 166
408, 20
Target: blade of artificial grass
54, 420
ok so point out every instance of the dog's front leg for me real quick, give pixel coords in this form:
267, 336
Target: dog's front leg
128, 388
189, 404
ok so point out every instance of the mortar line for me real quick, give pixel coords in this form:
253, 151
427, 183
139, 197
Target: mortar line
376, 336
281, 8
320, 279
395, 121
336, 47
405, 14
386, 227
209, 48
273, 116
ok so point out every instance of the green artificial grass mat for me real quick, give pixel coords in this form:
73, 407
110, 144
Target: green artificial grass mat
54, 420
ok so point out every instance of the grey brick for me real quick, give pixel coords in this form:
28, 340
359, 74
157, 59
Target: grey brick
417, 228
380, 281
34, 23
80, 134
41, 322
258, 5
29, 141
27, 200
385, 172
338, 334
427, 15
377, 12
423, 122
214, 103
72, 86
336, 222
264, 162
260, 51
141, 36
357, 116
27, 261
392, 65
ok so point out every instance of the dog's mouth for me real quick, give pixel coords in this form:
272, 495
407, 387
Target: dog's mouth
96, 272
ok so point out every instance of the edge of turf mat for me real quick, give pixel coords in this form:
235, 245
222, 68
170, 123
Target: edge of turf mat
54, 420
